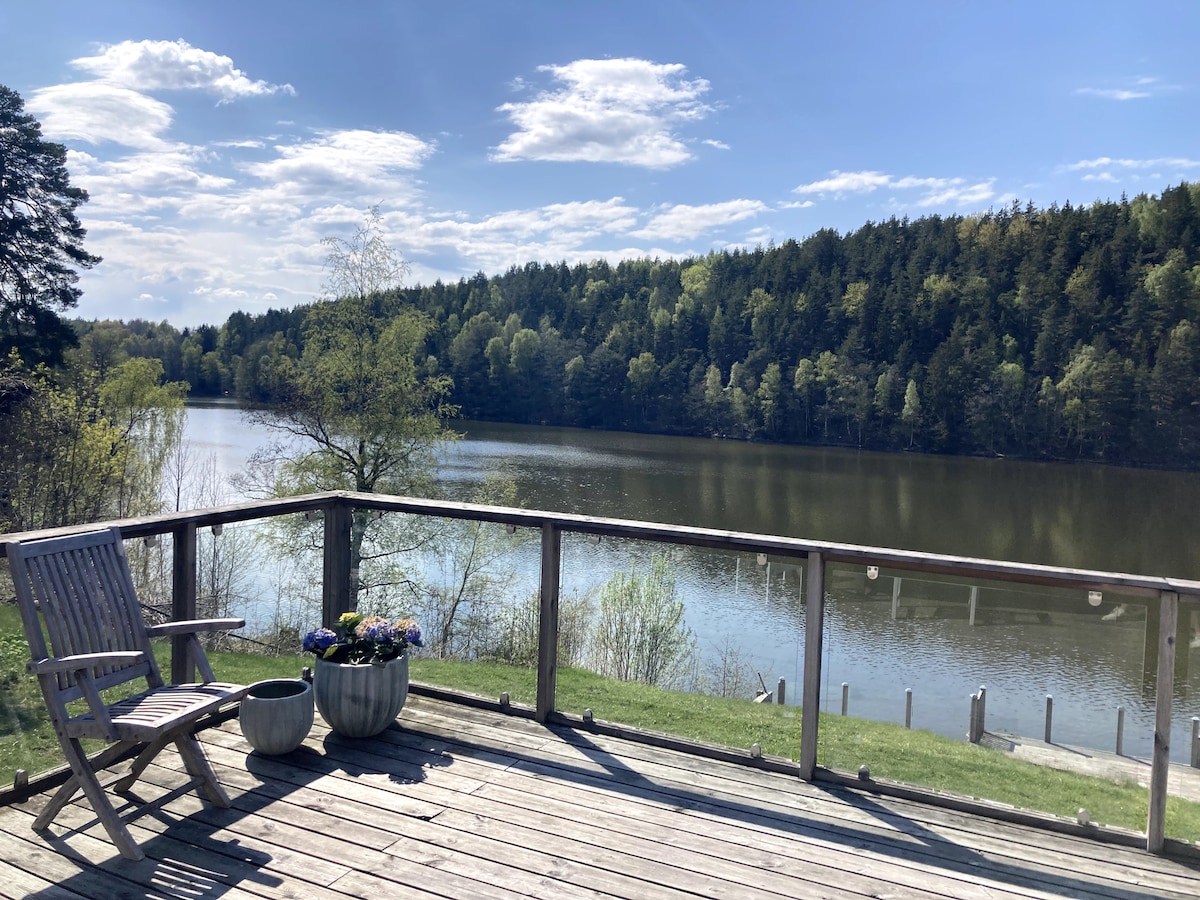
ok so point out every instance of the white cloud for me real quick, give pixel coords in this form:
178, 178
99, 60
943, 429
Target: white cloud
799, 204
1114, 93
846, 182
682, 222
95, 112
340, 158
134, 181
937, 191
608, 110
173, 65
1134, 89
956, 192
720, 145
1106, 162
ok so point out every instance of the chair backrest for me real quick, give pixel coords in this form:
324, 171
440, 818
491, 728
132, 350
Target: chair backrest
82, 588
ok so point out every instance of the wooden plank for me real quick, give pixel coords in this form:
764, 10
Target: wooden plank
615, 830
463, 802
909, 561
738, 789
1160, 759
183, 598
551, 579
335, 592
486, 854
814, 632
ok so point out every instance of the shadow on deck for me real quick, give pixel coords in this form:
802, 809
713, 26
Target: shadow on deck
460, 802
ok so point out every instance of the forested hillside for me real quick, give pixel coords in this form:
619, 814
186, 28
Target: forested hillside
1065, 333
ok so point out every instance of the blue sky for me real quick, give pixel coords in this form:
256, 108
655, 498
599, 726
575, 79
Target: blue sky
220, 141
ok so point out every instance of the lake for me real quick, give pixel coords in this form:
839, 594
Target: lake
1089, 659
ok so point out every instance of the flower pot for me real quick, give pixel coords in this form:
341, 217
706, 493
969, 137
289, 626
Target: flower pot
360, 699
276, 715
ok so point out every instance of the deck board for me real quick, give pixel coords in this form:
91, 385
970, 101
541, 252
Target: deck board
457, 802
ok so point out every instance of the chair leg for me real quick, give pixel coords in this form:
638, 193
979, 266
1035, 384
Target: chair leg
60, 799
144, 758
198, 766
84, 778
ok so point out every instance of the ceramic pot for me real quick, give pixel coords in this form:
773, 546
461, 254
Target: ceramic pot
360, 699
276, 715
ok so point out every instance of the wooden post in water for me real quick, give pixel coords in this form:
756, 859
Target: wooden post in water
895, 596
1049, 716
1120, 731
845, 697
973, 722
814, 630
779, 691
547, 673
974, 601
1195, 743
908, 707
1161, 759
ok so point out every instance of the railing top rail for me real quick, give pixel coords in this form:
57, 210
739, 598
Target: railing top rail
906, 560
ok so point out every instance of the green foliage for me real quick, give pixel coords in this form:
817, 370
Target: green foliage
364, 405
81, 448
640, 633
976, 314
41, 240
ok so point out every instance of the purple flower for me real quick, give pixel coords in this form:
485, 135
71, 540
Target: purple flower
412, 634
319, 640
378, 630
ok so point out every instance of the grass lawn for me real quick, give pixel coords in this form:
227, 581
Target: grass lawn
891, 751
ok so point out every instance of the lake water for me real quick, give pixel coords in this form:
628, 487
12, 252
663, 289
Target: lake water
1089, 659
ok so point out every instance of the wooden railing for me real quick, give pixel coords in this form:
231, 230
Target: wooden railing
337, 508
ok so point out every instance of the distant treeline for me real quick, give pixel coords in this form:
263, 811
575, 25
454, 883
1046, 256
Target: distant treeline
1064, 333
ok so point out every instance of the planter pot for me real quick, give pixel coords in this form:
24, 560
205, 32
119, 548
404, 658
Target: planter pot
276, 715
360, 699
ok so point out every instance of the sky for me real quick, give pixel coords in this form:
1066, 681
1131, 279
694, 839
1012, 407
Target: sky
219, 142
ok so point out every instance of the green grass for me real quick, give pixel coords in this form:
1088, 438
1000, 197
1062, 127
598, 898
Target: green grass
892, 752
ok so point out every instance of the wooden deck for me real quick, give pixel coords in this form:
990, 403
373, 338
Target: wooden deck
457, 802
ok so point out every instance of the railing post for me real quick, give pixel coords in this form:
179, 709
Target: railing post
335, 583
1160, 761
814, 633
547, 675
183, 599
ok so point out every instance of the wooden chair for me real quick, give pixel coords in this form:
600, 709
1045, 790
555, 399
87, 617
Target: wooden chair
77, 592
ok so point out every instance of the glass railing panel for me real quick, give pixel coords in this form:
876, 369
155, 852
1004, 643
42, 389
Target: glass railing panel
1045, 681
473, 588
682, 640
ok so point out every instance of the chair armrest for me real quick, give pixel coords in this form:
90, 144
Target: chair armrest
192, 626
79, 661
